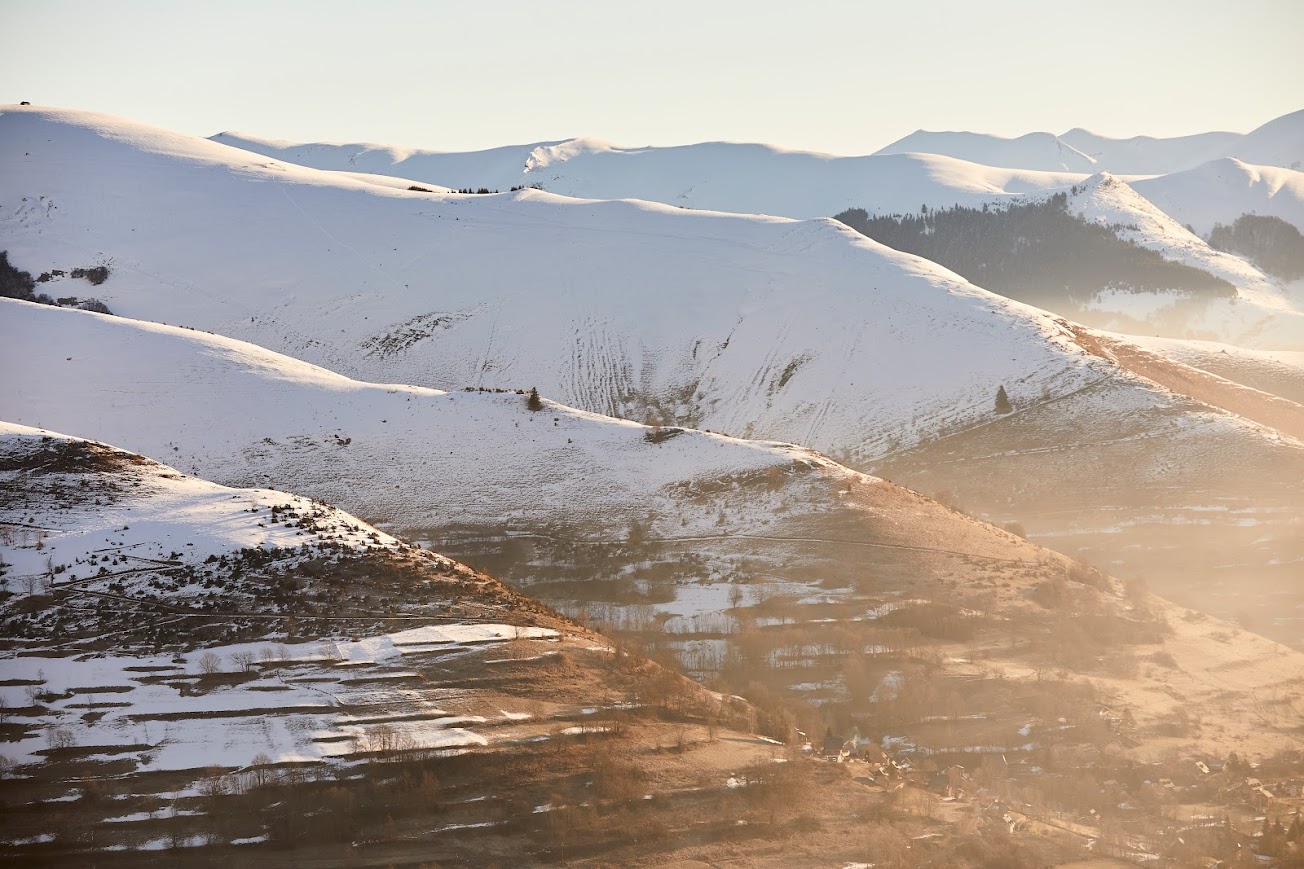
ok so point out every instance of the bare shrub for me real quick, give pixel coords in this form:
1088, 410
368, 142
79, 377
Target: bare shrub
210, 663
215, 782
60, 738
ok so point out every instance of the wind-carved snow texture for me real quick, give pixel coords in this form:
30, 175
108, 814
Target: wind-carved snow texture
401, 337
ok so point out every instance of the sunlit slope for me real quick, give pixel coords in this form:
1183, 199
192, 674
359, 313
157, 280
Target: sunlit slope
721, 176
1275, 372
1162, 489
291, 633
1119, 450
238, 414
1222, 190
1190, 178
1265, 312
232, 626
799, 331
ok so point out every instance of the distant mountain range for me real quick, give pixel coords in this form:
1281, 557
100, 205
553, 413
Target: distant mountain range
1232, 174
1279, 142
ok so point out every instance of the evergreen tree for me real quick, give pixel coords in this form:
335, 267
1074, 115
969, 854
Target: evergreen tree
533, 402
1003, 401
14, 283
1273, 244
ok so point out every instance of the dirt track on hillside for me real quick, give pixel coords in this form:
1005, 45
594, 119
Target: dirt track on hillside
1281, 414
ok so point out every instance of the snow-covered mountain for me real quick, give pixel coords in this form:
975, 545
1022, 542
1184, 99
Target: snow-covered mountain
934, 169
230, 627
719, 176
476, 465
1044, 152
759, 327
799, 331
1222, 190
1280, 142
1263, 313
1259, 310
724, 176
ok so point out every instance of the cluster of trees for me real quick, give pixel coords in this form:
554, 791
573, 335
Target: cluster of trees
1270, 242
18, 284
1033, 251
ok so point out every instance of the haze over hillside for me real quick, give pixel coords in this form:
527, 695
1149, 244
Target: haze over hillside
758, 327
1068, 640
1074, 252
182, 642
266, 718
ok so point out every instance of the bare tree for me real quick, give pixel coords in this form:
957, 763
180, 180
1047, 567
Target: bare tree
210, 663
60, 737
263, 775
214, 783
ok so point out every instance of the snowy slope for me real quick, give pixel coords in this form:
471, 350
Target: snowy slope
419, 457
1279, 142
1263, 314
502, 168
1277, 372
484, 463
153, 512
1222, 190
798, 331
111, 556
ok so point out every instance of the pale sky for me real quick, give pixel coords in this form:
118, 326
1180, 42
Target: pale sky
842, 77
